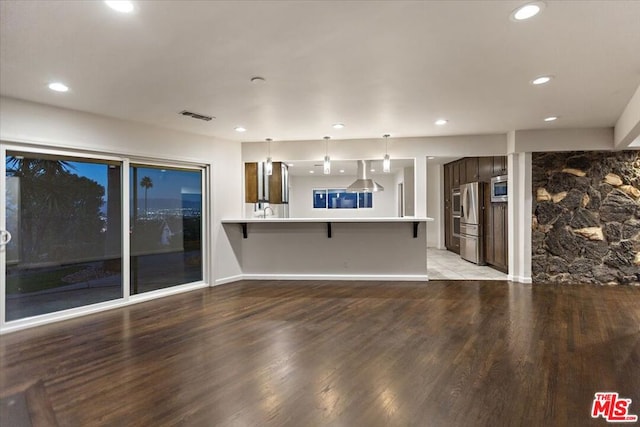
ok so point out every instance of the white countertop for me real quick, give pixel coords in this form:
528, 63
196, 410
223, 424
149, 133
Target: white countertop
316, 220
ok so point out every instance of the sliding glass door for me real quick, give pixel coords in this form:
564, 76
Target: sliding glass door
79, 230
64, 218
166, 227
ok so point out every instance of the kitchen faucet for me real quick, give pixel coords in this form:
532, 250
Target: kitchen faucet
264, 212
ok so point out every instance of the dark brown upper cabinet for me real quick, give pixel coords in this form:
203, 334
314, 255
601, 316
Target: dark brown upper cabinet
471, 169
456, 174
499, 165
485, 169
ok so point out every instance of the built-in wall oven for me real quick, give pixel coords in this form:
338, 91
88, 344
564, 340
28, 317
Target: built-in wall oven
499, 186
455, 211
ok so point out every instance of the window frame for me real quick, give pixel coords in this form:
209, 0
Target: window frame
341, 190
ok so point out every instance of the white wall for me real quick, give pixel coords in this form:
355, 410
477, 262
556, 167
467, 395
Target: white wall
409, 191
532, 141
301, 197
435, 206
31, 123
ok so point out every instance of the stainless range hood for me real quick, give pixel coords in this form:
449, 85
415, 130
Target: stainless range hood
364, 184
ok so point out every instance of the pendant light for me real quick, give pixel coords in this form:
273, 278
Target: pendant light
269, 164
386, 163
327, 159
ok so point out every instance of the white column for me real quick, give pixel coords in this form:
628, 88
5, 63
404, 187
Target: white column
420, 188
435, 205
519, 209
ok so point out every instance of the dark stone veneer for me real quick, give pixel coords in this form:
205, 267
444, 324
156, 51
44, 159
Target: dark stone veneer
586, 217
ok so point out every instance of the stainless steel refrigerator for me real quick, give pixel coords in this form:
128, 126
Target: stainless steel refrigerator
471, 219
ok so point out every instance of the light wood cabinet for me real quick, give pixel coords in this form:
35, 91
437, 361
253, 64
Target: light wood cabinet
279, 184
259, 187
251, 182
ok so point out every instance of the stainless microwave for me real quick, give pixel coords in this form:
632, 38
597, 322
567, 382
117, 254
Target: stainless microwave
499, 188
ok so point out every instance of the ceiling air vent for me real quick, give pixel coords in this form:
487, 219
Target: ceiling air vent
196, 115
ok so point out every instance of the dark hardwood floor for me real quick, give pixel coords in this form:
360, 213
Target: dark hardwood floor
338, 354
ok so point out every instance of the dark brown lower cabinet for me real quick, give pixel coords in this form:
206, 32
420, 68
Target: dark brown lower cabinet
447, 225
455, 244
496, 244
487, 226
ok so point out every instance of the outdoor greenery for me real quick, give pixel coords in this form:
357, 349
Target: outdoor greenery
60, 211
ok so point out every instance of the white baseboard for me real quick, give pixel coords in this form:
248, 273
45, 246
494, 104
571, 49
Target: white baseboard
379, 277
229, 279
519, 279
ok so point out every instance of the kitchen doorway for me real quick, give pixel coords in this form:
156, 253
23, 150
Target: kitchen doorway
445, 204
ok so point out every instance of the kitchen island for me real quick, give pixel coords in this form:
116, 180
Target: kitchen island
330, 248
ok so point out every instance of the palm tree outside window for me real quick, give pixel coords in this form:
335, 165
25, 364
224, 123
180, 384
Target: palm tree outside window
146, 183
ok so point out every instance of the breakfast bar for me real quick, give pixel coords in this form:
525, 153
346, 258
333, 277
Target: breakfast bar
330, 248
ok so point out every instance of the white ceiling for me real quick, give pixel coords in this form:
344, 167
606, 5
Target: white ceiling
378, 67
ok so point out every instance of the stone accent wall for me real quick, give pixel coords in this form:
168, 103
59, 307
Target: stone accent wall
586, 217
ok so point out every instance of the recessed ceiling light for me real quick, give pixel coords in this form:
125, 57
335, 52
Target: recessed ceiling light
341, 170
338, 125
58, 87
441, 122
372, 170
541, 80
527, 11
312, 172
122, 6
550, 118
240, 129
430, 158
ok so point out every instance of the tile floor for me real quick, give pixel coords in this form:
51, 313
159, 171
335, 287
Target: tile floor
442, 264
